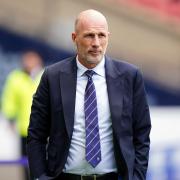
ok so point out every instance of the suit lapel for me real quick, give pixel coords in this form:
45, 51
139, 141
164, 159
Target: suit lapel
114, 80
68, 76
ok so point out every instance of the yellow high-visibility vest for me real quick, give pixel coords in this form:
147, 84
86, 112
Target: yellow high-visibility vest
17, 98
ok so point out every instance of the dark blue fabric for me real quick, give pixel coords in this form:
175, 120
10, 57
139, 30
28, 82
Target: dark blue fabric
52, 118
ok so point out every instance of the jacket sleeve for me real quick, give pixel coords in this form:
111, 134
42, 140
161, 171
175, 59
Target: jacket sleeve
38, 130
141, 128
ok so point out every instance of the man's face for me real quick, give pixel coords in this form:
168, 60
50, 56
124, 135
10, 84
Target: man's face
91, 39
31, 61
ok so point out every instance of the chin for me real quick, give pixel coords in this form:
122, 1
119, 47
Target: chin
94, 60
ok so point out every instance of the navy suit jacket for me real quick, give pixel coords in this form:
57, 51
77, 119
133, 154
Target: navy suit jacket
52, 119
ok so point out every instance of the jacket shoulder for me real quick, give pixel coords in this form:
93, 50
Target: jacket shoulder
125, 65
120, 67
15, 76
62, 65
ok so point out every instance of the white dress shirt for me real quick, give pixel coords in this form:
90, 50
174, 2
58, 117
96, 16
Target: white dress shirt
76, 161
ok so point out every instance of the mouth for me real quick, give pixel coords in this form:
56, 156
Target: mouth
94, 52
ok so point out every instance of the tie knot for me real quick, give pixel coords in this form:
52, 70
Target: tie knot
89, 73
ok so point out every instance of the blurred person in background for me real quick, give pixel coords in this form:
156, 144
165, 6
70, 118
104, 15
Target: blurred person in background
17, 95
90, 118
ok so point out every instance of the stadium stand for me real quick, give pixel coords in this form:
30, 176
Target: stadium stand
13, 44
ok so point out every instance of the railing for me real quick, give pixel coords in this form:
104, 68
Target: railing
22, 161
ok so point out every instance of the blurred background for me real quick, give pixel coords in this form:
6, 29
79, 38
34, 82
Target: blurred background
143, 32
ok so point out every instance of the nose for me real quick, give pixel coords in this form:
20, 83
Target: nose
96, 41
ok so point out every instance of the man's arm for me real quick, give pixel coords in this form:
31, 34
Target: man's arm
141, 128
38, 130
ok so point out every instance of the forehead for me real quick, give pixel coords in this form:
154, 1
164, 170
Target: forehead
30, 58
92, 24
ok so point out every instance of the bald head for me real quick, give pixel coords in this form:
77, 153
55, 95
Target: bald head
90, 16
90, 37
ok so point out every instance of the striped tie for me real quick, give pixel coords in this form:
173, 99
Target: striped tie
93, 149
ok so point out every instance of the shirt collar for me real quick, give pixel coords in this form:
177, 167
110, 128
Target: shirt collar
99, 69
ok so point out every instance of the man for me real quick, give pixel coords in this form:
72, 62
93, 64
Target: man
17, 94
92, 110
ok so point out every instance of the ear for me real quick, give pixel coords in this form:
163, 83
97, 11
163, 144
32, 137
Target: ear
74, 36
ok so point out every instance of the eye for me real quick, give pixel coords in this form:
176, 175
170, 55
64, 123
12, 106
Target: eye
101, 35
89, 35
